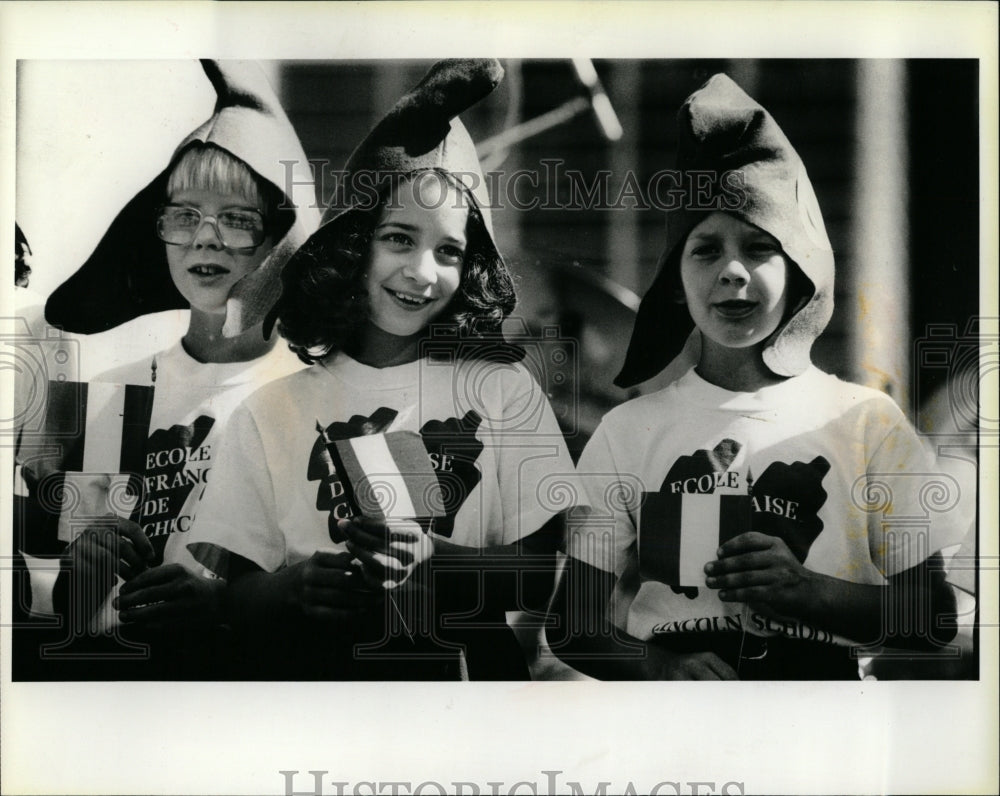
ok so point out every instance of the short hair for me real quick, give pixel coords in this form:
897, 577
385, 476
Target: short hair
205, 167
324, 301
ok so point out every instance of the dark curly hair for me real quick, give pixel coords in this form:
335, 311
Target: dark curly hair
324, 302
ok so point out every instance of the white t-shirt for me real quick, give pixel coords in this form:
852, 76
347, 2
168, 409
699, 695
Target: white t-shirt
833, 468
488, 429
192, 404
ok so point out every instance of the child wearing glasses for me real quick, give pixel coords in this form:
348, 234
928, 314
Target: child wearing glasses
210, 233
756, 518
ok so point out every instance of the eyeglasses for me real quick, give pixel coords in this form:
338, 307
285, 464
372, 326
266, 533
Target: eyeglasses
237, 229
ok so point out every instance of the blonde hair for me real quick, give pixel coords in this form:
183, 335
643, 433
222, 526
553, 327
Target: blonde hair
209, 168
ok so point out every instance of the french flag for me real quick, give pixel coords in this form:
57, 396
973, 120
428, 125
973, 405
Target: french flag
101, 430
680, 533
91, 464
108, 425
389, 476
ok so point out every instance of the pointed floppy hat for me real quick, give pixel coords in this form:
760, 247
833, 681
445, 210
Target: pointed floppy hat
421, 131
759, 178
127, 275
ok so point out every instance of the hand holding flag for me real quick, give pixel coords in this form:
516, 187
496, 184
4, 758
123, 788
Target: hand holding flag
701, 503
325, 587
169, 594
762, 571
389, 551
120, 541
390, 479
765, 568
117, 547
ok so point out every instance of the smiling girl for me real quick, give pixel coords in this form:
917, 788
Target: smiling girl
397, 304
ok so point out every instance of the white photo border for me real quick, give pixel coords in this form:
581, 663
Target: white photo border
773, 737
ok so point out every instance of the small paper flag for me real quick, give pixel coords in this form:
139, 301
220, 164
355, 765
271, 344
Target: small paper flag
390, 476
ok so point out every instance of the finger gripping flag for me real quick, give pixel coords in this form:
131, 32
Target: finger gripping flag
389, 476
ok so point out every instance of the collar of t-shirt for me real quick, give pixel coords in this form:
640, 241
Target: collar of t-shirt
176, 363
694, 389
349, 370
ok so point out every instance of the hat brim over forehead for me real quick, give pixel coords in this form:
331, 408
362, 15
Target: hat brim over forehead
421, 132
127, 275
757, 176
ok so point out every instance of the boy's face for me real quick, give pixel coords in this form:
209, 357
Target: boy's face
735, 279
416, 255
204, 270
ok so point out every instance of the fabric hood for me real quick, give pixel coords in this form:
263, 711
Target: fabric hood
127, 275
755, 174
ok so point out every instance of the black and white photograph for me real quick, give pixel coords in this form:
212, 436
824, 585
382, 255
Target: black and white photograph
476, 398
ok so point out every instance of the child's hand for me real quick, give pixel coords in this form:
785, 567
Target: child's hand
661, 664
108, 548
389, 552
760, 570
326, 587
170, 594
113, 547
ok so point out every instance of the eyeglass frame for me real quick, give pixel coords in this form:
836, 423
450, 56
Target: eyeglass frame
215, 224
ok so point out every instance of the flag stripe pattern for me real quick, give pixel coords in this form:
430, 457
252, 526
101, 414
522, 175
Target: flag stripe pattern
137, 410
65, 405
102, 451
680, 533
390, 496
390, 476
102, 430
699, 537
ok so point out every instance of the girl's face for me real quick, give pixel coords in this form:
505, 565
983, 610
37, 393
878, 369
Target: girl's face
416, 255
204, 270
735, 279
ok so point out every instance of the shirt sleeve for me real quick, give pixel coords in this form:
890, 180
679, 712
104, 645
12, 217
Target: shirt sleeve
915, 506
238, 513
536, 476
602, 530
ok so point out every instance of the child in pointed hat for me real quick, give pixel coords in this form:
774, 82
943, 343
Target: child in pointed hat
397, 302
732, 530
211, 232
